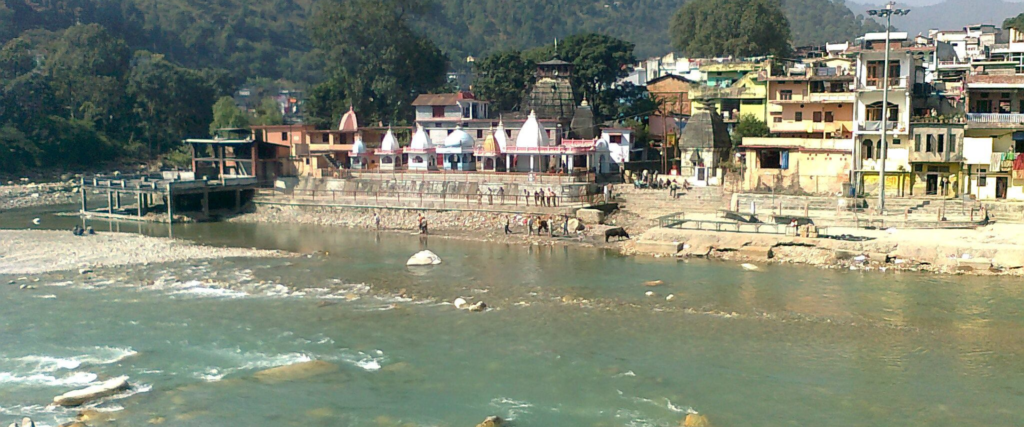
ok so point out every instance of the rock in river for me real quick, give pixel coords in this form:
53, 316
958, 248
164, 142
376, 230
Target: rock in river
424, 258
104, 389
296, 371
491, 421
696, 420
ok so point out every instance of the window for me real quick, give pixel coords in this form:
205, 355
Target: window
930, 144
467, 112
896, 141
874, 112
615, 139
1018, 146
438, 111
983, 95
952, 143
1004, 107
786, 95
777, 119
773, 159
284, 136
1004, 95
828, 117
867, 149
918, 167
941, 147
326, 138
479, 133
982, 179
983, 106
437, 125
917, 143
799, 116
816, 117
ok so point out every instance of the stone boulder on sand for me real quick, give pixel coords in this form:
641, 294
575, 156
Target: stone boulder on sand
491, 421
696, 420
104, 389
295, 371
424, 258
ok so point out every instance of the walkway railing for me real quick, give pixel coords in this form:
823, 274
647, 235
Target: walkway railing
406, 199
1009, 119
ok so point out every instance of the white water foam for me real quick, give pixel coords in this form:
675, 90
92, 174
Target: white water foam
513, 408
75, 379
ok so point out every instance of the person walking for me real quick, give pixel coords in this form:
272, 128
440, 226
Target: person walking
565, 225
526, 196
553, 201
508, 223
529, 226
501, 194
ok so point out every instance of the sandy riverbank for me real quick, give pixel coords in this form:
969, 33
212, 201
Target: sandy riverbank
40, 251
994, 249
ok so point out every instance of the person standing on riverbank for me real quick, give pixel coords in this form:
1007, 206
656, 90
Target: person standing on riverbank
529, 225
508, 222
376, 220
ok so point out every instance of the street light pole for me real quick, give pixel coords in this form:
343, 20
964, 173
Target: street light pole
887, 12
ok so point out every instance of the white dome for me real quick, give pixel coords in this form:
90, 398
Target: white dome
458, 138
500, 137
358, 147
532, 135
420, 140
389, 143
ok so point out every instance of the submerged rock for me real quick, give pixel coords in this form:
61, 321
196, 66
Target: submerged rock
750, 267
491, 421
654, 283
295, 371
104, 389
424, 258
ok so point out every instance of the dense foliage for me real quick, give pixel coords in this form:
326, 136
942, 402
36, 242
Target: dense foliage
749, 126
598, 61
372, 60
742, 28
816, 22
1016, 22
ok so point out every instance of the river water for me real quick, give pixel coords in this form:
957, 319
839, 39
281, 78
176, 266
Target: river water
571, 339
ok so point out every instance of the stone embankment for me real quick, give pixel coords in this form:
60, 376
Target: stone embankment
13, 196
988, 250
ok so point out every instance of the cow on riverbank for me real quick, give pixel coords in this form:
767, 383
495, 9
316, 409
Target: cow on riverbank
615, 232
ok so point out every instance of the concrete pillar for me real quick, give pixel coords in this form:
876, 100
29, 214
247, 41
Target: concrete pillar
117, 197
238, 201
531, 163
170, 207
110, 202
85, 205
138, 197
206, 204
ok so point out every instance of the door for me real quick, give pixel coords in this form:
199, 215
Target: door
1001, 184
931, 184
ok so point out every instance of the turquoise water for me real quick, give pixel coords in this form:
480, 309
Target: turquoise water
571, 340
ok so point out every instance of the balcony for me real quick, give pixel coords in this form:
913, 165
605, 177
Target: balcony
806, 126
876, 83
935, 157
876, 126
712, 92
832, 97
995, 120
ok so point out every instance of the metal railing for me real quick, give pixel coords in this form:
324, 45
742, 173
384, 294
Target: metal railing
576, 177
1001, 118
407, 199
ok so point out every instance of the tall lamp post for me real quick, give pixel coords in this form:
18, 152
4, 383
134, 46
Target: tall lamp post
886, 12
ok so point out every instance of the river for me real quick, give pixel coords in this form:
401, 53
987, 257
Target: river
571, 338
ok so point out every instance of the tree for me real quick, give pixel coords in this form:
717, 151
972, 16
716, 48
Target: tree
731, 28
749, 126
88, 66
1015, 22
816, 22
502, 78
268, 113
598, 62
227, 115
379, 64
15, 59
169, 102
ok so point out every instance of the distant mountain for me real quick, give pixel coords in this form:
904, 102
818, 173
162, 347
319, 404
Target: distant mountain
950, 14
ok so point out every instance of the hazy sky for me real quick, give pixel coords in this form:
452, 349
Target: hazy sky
913, 2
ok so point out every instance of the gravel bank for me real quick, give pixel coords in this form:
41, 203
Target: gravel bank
40, 251
28, 195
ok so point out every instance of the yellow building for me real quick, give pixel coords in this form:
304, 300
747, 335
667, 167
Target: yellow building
811, 100
732, 89
797, 165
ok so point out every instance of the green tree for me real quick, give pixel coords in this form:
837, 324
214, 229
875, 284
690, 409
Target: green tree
731, 28
374, 59
1015, 22
598, 62
227, 115
88, 66
268, 113
749, 126
169, 102
15, 59
502, 77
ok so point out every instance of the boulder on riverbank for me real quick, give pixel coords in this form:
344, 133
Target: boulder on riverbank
424, 258
88, 394
295, 371
696, 420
